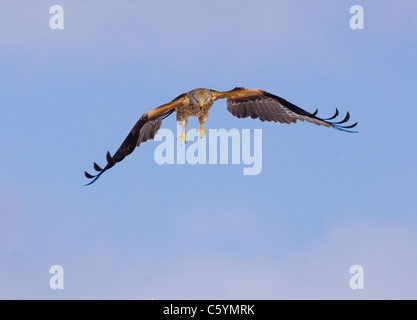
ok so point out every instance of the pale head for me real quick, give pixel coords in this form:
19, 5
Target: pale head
200, 97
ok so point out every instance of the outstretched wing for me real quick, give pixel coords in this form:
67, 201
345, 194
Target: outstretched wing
255, 103
144, 130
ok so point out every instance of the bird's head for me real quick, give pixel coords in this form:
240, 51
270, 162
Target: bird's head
200, 97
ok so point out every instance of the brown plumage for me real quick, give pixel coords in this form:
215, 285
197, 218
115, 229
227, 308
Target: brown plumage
241, 103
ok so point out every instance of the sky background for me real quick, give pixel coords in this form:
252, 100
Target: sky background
325, 200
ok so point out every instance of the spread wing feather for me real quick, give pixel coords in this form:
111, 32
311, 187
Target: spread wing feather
255, 103
145, 129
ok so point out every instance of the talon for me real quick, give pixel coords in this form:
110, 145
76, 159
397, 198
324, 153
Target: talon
183, 137
202, 132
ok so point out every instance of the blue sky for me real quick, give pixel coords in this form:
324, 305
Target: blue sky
325, 200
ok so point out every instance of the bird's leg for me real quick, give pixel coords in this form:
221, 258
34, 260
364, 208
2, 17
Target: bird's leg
202, 119
183, 135
202, 132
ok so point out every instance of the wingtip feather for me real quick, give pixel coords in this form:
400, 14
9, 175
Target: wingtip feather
97, 167
87, 175
334, 116
347, 117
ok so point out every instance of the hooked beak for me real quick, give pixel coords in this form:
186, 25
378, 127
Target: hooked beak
201, 105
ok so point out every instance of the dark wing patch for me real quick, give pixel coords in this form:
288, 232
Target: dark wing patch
144, 130
268, 107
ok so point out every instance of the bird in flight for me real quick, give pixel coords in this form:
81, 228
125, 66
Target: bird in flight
241, 103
